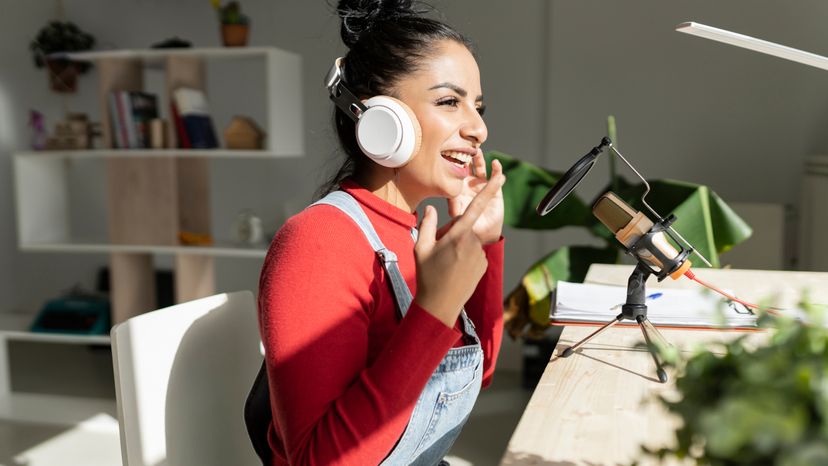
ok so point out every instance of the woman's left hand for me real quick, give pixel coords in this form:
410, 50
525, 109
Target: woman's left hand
489, 226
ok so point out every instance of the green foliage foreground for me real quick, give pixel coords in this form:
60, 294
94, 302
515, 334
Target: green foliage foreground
762, 406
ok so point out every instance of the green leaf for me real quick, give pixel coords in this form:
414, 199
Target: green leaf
762, 404
703, 218
526, 184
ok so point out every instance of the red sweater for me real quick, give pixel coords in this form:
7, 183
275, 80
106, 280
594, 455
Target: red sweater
344, 371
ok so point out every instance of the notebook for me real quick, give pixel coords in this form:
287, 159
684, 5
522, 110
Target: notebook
584, 303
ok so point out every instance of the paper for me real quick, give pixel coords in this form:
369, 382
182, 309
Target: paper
588, 303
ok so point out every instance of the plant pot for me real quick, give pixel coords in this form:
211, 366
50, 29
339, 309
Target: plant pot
63, 75
234, 35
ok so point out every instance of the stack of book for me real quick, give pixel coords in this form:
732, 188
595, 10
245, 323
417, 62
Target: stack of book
191, 118
130, 113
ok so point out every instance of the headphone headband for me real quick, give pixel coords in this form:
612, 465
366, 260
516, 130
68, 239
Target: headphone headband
341, 96
386, 129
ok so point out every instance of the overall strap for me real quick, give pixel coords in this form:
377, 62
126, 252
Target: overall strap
347, 204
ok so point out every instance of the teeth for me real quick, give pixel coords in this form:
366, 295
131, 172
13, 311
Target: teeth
461, 157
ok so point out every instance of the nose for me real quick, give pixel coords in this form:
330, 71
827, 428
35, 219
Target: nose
474, 128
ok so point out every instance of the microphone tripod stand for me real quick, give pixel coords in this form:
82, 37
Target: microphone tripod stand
634, 309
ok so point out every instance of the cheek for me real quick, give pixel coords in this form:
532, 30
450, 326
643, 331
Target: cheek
435, 129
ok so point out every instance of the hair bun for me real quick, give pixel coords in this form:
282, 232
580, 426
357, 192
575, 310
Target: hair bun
358, 16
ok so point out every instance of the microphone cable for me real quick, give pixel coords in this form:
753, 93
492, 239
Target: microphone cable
772, 311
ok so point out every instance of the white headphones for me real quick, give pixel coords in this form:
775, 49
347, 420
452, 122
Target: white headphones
386, 129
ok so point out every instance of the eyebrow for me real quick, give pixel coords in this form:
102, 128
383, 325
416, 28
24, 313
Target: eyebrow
454, 87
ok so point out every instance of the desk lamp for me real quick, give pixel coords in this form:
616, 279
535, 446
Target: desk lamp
752, 43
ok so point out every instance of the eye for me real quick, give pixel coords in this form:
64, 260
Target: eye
481, 109
450, 101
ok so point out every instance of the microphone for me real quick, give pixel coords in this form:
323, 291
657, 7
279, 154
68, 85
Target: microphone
643, 239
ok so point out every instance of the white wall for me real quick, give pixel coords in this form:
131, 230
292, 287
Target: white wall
689, 108
305, 27
552, 70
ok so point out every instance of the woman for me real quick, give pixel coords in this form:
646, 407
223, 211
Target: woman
359, 373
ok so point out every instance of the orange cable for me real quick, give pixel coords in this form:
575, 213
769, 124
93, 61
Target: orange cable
689, 274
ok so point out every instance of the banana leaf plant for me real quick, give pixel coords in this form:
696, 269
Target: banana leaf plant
704, 220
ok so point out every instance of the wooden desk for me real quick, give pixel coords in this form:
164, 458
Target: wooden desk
597, 406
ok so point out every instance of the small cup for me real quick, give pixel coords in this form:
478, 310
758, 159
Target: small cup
158, 133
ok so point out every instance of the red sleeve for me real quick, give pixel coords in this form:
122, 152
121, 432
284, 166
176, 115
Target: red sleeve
485, 309
315, 303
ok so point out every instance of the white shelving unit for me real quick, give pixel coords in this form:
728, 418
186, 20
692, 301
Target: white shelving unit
42, 189
155, 193
42, 408
43, 206
282, 93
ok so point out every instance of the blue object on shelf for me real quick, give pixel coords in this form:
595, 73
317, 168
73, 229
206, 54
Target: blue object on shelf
75, 315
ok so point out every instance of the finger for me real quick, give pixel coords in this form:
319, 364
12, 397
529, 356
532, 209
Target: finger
478, 204
479, 165
428, 228
497, 168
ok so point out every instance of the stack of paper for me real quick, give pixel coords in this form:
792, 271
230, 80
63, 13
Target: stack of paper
598, 304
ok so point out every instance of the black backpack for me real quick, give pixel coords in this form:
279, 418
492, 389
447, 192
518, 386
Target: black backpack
257, 416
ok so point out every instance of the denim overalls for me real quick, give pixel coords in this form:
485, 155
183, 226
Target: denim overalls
448, 398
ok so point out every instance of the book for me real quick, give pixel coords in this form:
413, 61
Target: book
180, 132
115, 122
143, 107
125, 107
195, 117
583, 303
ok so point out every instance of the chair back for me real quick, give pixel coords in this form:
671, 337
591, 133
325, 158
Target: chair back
182, 376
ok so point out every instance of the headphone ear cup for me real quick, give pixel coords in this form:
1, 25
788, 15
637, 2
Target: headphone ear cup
388, 131
418, 131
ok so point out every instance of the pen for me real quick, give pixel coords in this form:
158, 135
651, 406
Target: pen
649, 296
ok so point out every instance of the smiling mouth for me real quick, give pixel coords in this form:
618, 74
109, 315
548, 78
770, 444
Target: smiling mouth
460, 159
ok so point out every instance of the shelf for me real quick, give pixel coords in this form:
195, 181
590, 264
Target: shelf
152, 194
63, 338
817, 164
281, 96
168, 153
14, 326
58, 409
156, 56
41, 408
220, 249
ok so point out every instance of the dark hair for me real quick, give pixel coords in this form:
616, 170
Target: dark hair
386, 39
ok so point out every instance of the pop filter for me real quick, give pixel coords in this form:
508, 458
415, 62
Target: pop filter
570, 179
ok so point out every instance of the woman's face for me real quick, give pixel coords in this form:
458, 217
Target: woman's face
446, 97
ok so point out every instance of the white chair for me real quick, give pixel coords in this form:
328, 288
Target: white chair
182, 375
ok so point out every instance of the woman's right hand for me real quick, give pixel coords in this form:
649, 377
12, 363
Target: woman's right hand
449, 268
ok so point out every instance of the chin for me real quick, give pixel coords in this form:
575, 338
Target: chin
452, 189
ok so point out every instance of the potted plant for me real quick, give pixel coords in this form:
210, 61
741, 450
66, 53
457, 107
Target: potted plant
235, 25
746, 404
61, 36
